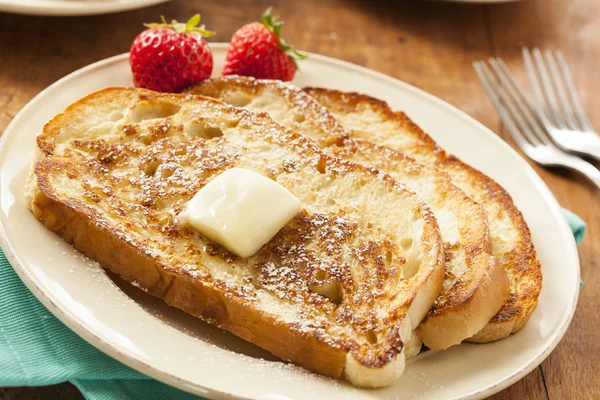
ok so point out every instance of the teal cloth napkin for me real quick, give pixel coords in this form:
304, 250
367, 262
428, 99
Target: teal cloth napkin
577, 225
37, 349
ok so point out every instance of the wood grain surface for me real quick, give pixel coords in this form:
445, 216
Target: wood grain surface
428, 44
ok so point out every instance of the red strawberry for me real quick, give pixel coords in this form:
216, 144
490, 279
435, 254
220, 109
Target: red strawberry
258, 50
171, 57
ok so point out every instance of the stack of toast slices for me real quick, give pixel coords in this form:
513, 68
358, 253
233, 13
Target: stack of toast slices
398, 247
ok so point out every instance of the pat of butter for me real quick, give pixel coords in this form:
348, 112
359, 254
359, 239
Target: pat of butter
241, 210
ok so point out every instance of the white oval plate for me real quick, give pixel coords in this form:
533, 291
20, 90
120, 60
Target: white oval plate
180, 350
72, 7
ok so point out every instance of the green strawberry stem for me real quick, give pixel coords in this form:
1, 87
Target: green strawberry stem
271, 22
191, 26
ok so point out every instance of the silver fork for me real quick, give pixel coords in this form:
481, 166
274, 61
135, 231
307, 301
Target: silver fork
520, 119
558, 106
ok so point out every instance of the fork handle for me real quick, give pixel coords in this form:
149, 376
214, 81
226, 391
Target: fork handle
587, 169
592, 153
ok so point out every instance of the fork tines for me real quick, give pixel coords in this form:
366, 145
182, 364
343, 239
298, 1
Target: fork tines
516, 112
535, 130
556, 98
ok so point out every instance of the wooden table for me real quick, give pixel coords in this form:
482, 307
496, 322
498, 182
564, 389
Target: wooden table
430, 45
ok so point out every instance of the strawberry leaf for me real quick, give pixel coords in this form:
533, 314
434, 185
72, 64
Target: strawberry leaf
191, 26
202, 31
272, 23
179, 27
192, 22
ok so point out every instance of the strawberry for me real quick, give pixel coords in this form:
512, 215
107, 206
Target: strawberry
171, 57
258, 50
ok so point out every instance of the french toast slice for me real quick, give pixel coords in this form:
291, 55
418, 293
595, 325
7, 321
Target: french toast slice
475, 285
372, 119
119, 165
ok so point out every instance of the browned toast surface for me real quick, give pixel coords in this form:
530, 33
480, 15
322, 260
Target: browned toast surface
511, 240
120, 164
475, 285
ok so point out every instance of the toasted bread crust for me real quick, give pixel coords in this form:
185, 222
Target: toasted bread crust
474, 311
239, 91
523, 268
457, 312
463, 308
70, 153
520, 262
79, 226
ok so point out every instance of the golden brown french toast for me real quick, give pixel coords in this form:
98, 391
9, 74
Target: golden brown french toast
371, 119
475, 285
119, 165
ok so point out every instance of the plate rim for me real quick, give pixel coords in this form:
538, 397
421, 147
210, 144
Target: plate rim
58, 8
185, 385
